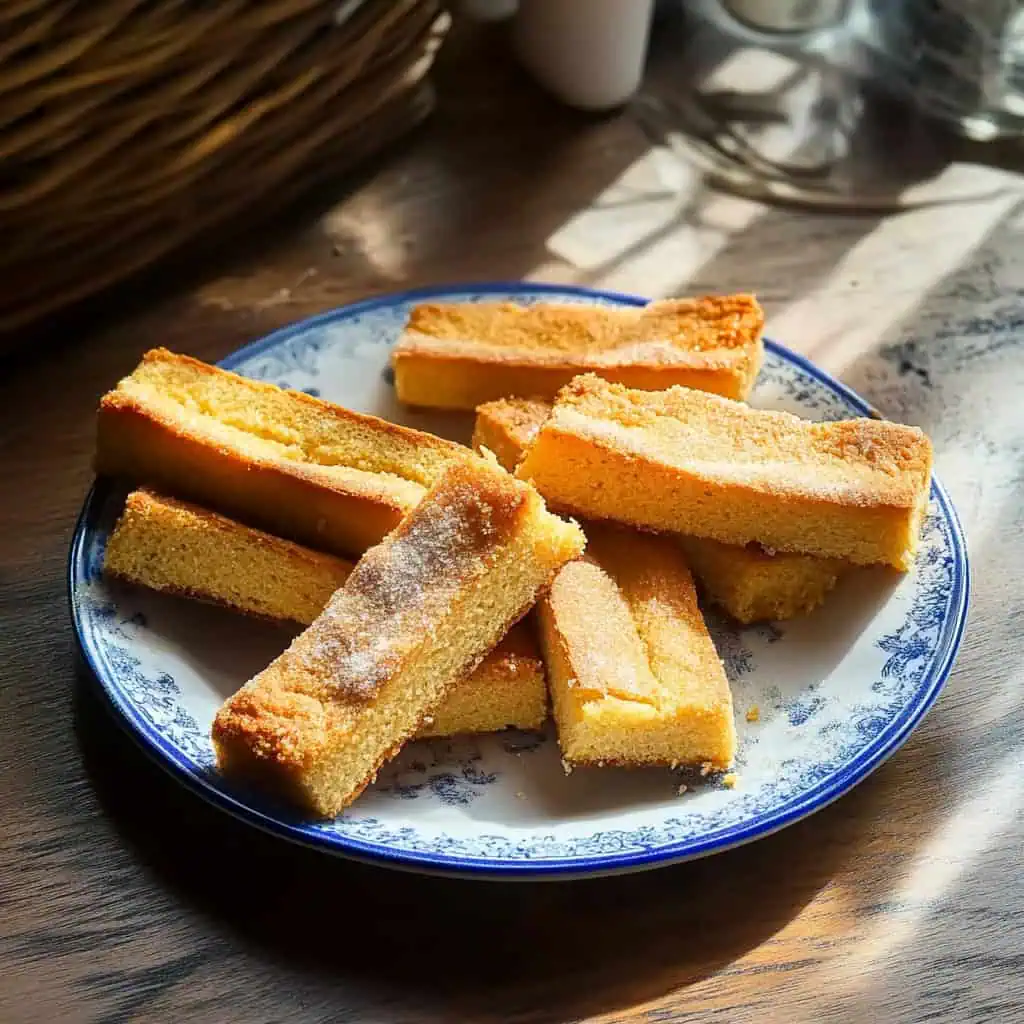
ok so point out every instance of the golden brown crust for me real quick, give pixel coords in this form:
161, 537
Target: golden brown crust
265, 730
698, 464
633, 673
508, 427
867, 461
270, 720
418, 613
148, 505
460, 355
670, 331
183, 550
401, 586
281, 460
748, 583
380, 430
753, 586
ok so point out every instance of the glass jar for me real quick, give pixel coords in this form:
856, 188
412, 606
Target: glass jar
961, 61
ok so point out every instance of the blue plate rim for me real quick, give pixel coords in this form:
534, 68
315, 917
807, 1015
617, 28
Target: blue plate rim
814, 799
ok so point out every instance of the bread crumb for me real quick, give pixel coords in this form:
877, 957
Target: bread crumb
753, 713
730, 780
428, 719
566, 767
682, 789
520, 795
705, 769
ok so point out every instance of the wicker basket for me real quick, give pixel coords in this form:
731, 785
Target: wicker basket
129, 127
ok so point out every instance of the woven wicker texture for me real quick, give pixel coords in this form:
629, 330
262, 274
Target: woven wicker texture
129, 127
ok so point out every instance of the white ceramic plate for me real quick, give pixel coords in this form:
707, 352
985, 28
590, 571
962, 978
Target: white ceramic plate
837, 691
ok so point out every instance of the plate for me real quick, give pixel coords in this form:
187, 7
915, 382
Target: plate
836, 692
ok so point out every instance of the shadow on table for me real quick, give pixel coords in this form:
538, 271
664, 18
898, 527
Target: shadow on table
476, 950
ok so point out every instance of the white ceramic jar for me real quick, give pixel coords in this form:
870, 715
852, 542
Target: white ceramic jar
588, 53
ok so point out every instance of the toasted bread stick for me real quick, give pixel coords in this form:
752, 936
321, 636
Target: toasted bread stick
294, 465
683, 461
750, 584
634, 675
182, 549
459, 355
418, 613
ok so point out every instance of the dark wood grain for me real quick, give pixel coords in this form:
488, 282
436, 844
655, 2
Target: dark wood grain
123, 898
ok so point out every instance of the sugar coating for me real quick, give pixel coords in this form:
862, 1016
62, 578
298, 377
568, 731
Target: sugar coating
459, 355
691, 463
398, 591
179, 548
419, 612
748, 582
634, 675
870, 462
608, 654
669, 331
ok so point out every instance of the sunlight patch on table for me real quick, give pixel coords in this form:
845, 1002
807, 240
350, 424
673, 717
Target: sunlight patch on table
649, 232
371, 229
880, 283
972, 827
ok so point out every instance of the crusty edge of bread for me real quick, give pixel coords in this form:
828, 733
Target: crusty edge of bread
281, 777
127, 433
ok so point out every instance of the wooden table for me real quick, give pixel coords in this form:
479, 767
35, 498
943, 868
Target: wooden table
123, 898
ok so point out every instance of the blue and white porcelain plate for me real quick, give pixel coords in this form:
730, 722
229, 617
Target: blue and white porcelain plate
835, 692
